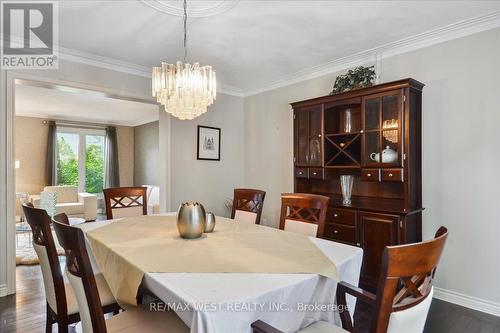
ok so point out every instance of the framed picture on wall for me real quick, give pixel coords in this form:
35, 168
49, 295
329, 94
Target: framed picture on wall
208, 143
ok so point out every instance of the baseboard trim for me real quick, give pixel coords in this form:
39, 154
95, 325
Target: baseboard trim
467, 301
3, 290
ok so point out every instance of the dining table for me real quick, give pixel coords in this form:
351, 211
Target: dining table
222, 302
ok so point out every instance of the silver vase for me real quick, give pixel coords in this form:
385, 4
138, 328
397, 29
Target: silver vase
209, 223
346, 182
191, 220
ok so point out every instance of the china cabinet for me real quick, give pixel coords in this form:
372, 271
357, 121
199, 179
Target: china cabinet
373, 134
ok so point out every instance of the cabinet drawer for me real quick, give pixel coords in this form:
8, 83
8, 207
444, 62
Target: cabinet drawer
301, 173
370, 175
341, 216
316, 173
392, 175
340, 232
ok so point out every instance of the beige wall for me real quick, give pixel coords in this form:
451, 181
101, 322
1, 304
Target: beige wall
461, 158
30, 137
125, 138
146, 154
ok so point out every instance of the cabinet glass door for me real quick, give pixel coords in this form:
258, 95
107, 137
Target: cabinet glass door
391, 128
302, 137
382, 129
315, 152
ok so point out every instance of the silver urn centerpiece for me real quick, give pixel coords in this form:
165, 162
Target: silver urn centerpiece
210, 223
191, 220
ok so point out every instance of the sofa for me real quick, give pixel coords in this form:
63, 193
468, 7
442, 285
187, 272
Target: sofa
74, 204
153, 197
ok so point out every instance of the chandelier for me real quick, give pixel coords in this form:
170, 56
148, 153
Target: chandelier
185, 90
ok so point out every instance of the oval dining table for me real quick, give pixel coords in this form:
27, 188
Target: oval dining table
230, 302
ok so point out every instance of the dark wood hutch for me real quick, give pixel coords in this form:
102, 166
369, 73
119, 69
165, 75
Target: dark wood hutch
373, 134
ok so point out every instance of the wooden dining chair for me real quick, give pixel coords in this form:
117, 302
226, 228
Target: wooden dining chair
62, 307
303, 213
247, 205
404, 293
81, 277
125, 202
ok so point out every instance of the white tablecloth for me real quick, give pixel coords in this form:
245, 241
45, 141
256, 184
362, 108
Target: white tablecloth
230, 302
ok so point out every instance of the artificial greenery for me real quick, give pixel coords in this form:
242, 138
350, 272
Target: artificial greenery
358, 77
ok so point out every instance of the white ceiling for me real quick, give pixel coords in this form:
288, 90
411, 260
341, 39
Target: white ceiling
81, 105
252, 44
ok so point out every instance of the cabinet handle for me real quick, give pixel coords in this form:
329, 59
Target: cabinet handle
335, 215
358, 244
335, 231
319, 135
300, 173
315, 173
390, 175
368, 175
361, 131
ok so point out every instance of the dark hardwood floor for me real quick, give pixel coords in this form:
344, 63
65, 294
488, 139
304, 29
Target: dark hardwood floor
25, 311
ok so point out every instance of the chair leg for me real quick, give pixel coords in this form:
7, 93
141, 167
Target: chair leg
48, 321
62, 326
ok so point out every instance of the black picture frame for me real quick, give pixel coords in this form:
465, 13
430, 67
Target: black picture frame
201, 152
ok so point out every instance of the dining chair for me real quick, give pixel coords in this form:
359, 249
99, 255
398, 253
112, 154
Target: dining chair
62, 307
81, 277
247, 205
404, 293
303, 213
125, 202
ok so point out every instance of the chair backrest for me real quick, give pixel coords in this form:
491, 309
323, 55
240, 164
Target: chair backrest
247, 205
65, 194
405, 290
45, 248
61, 218
125, 202
303, 213
81, 277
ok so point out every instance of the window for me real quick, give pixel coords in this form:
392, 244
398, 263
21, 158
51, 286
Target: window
80, 158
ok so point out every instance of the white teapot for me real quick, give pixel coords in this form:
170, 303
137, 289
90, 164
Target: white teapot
388, 156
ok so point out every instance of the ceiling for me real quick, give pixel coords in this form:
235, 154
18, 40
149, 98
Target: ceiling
63, 103
251, 43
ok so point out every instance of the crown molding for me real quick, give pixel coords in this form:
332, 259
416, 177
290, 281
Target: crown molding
126, 67
116, 65
449, 32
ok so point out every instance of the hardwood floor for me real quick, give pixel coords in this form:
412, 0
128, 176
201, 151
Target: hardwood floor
25, 311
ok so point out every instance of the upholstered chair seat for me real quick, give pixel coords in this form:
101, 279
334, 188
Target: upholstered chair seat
411, 320
245, 217
322, 327
137, 320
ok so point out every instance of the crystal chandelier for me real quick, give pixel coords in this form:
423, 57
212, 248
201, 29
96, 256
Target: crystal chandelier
185, 90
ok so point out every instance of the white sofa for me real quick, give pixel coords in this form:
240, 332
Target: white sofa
74, 204
153, 197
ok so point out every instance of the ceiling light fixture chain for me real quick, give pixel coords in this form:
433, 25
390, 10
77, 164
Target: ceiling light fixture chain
185, 30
